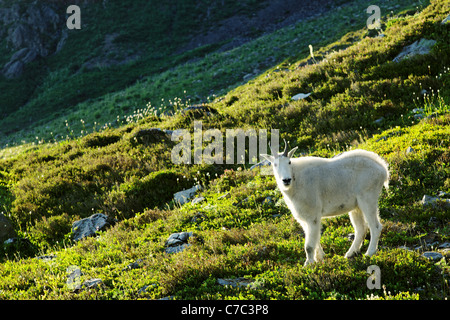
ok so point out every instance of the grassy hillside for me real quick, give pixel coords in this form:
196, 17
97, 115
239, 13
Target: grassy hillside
360, 99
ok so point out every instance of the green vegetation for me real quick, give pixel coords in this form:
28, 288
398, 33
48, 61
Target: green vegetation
238, 231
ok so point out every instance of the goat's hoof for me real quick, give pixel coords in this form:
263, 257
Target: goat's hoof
353, 255
308, 263
350, 255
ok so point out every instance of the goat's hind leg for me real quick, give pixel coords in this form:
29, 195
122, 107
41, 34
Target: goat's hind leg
360, 226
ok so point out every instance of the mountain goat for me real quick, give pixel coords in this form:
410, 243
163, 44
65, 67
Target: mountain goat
314, 188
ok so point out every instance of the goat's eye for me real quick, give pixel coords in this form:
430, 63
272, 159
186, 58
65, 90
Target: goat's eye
289, 161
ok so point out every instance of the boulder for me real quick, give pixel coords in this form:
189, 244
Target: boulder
198, 200
73, 278
88, 227
445, 245
92, 283
184, 196
433, 201
435, 256
419, 47
176, 239
177, 242
301, 96
6, 229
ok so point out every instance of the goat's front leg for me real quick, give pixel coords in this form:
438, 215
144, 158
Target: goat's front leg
312, 238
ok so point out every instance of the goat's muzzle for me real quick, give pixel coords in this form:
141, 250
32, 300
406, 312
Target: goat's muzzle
286, 182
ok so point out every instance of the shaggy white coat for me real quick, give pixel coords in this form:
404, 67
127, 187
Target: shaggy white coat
314, 188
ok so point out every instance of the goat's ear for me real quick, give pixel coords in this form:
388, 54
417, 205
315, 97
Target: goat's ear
291, 153
268, 157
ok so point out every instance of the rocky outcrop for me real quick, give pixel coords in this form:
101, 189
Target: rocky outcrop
419, 47
89, 227
31, 31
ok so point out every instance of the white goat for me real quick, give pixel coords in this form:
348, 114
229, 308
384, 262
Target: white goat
314, 188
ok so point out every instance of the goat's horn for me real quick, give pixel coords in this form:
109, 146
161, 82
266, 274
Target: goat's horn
285, 152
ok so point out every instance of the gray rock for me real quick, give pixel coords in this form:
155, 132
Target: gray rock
47, 257
177, 242
410, 150
446, 20
240, 283
268, 201
445, 245
184, 196
6, 229
248, 76
134, 265
88, 227
74, 278
419, 47
168, 298
92, 283
198, 200
224, 196
176, 239
442, 194
433, 201
435, 256
426, 200
144, 288
379, 120
300, 96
